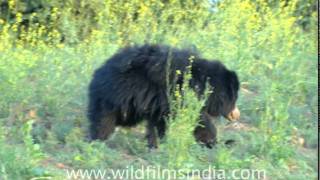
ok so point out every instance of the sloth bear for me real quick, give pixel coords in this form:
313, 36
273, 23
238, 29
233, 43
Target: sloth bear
135, 85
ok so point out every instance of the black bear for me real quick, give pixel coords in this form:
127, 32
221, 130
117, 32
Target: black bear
134, 85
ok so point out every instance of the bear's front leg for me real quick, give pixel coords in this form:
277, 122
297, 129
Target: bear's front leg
151, 136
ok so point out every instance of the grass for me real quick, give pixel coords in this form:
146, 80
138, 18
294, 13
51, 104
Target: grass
44, 89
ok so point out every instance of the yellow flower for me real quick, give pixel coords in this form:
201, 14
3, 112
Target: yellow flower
18, 17
14, 27
12, 4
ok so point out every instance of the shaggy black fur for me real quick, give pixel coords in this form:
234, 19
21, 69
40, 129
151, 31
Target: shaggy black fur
135, 83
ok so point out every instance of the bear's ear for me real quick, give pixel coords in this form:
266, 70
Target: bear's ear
200, 67
134, 62
199, 76
232, 79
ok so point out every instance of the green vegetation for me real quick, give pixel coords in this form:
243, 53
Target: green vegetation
47, 58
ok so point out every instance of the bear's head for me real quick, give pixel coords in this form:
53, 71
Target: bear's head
224, 85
